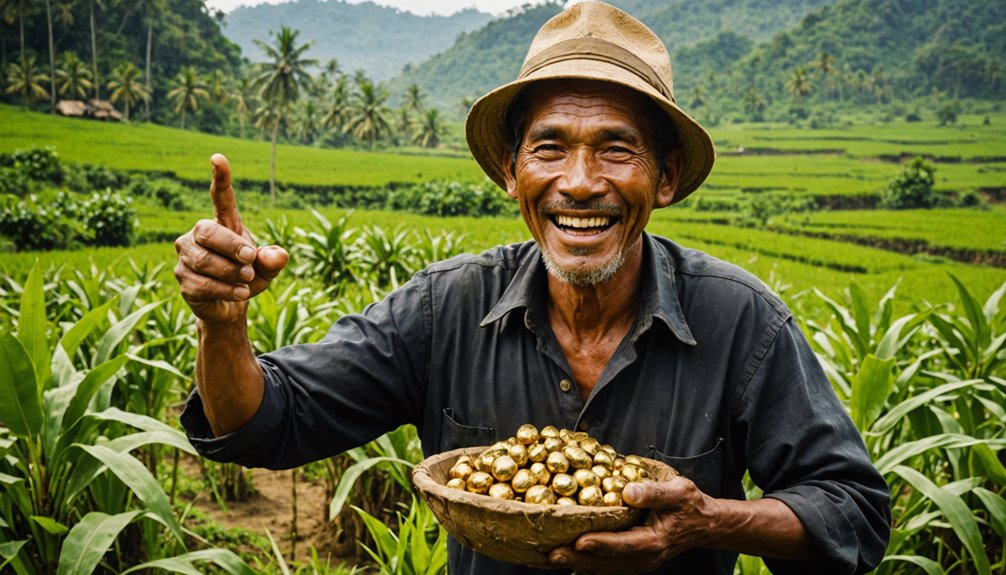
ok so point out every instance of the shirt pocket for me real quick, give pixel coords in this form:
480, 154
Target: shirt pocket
703, 469
454, 435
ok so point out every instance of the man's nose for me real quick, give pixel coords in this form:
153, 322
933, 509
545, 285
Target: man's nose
580, 178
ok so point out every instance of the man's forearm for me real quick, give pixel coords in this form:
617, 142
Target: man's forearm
763, 527
228, 377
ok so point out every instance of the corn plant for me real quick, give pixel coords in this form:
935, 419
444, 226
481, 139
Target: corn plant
68, 480
419, 547
326, 253
388, 258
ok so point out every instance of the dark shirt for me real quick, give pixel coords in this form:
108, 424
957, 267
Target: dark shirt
713, 378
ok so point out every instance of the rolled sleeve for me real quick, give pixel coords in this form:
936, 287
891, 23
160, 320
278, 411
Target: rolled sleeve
803, 449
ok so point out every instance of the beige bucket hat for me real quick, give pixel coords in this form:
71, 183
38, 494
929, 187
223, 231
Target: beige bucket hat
591, 41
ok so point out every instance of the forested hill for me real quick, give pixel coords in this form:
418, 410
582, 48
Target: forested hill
375, 38
492, 55
891, 48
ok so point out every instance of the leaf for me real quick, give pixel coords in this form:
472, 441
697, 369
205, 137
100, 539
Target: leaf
162, 365
20, 407
995, 469
32, 325
223, 558
350, 476
901, 453
119, 331
997, 509
279, 554
130, 471
928, 565
955, 511
72, 339
50, 524
870, 388
89, 540
974, 313
9, 549
898, 412
88, 387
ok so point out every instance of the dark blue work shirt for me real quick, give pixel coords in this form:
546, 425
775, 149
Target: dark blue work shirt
713, 378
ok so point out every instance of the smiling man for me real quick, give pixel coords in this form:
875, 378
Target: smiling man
595, 325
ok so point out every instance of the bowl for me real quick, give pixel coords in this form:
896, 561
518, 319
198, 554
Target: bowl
514, 531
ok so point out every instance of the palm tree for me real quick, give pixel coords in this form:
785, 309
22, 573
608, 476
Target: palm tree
825, 66
22, 79
799, 85
754, 104
307, 122
73, 78
64, 14
94, 48
127, 87
219, 92
414, 99
368, 121
430, 130
18, 8
52, 57
280, 83
338, 106
242, 96
403, 124
188, 91
151, 9
698, 96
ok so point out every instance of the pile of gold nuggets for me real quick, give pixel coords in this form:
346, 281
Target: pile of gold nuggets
553, 466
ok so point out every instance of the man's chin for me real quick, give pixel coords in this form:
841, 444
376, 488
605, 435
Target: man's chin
583, 277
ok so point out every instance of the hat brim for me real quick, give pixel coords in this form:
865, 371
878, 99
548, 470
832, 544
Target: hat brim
486, 130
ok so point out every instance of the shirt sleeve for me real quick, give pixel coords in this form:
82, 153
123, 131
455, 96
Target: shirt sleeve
366, 377
803, 449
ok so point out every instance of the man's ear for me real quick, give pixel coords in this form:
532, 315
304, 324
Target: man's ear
508, 174
669, 180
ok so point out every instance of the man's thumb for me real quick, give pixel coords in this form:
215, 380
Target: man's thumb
268, 263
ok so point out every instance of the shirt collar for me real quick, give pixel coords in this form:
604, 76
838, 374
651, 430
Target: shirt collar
659, 299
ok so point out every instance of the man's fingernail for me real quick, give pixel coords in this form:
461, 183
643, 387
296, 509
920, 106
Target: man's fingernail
247, 273
247, 254
632, 492
588, 546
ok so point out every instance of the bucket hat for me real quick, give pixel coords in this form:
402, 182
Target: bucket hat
591, 41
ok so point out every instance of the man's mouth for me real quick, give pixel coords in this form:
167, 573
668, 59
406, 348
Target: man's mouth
583, 225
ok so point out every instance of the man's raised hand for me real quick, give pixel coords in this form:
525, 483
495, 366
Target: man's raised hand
219, 267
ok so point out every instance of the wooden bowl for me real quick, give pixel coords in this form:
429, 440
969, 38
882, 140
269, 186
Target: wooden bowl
514, 531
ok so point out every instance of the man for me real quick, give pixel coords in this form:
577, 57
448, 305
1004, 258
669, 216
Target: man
595, 325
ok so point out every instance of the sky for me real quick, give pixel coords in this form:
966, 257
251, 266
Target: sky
422, 7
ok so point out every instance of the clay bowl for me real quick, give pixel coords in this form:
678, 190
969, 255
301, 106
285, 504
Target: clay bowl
514, 531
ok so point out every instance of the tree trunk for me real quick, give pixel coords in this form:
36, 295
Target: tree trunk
52, 60
150, 36
183, 118
94, 55
272, 165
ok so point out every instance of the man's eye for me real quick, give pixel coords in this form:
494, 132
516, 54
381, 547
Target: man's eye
546, 148
618, 150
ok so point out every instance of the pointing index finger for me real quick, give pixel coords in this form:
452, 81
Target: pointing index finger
222, 194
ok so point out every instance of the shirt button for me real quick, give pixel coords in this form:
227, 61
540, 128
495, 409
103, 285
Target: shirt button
565, 385
584, 425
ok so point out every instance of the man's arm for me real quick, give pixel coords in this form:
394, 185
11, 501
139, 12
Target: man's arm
219, 269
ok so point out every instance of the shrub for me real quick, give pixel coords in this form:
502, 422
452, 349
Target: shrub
109, 217
757, 212
34, 224
15, 182
168, 193
38, 164
450, 198
912, 188
947, 113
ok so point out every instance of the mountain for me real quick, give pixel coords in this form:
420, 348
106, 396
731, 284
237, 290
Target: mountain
492, 55
378, 39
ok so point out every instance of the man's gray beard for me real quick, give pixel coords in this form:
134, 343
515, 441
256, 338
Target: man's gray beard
584, 278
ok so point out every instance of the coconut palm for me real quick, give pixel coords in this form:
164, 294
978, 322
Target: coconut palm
338, 105
17, 9
280, 82
151, 10
799, 84
73, 79
307, 122
403, 124
219, 87
368, 119
430, 130
127, 86
754, 104
52, 57
825, 66
94, 47
189, 90
65, 15
414, 99
243, 98
23, 79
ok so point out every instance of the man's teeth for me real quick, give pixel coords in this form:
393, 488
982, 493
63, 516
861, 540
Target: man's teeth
571, 222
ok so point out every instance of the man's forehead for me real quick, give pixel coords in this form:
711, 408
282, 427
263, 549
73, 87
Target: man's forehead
549, 104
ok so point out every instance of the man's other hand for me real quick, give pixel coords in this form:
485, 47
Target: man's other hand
219, 267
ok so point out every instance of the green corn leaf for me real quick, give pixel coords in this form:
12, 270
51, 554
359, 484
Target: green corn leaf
10, 549
995, 469
9, 479
997, 509
119, 331
974, 313
992, 304
387, 543
20, 405
905, 451
223, 558
284, 569
72, 339
928, 565
32, 325
88, 387
89, 540
50, 524
350, 476
898, 412
955, 511
162, 365
130, 471
870, 388
860, 312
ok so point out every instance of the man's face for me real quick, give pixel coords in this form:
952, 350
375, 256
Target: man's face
587, 177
